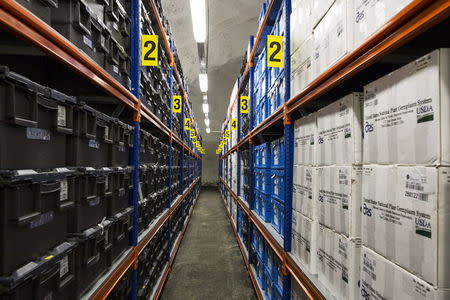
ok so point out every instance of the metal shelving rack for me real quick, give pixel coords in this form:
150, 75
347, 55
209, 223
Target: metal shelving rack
419, 17
24, 25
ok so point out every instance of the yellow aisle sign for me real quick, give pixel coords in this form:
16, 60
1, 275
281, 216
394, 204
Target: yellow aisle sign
149, 53
234, 124
187, 123
274, 51
244, 105
192, 133
177, 104
227, 134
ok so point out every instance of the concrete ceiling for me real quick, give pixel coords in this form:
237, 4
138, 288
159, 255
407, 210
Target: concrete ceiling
230, 23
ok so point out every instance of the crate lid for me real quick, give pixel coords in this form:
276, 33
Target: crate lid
35, 176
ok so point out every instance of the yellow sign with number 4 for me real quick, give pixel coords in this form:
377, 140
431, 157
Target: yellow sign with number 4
177, 104
149, 53
234, 124
187, 123
275, 51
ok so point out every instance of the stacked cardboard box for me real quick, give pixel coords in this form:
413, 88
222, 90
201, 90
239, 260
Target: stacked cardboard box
406, 181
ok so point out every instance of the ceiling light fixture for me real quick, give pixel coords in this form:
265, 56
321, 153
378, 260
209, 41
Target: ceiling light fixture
198, 13
203, 78
207, 122
208, 130
205, 108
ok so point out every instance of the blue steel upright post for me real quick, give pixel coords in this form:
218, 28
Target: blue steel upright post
135, 83
289, 146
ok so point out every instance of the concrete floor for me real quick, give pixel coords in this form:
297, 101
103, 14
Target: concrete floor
209, 264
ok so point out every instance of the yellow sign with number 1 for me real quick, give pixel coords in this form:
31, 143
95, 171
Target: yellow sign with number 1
177, 104
275, 51
149, 53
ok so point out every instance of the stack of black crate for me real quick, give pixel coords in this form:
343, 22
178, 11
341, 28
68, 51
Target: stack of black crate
65, 183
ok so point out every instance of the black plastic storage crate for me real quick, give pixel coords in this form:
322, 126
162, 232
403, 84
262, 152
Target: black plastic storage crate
122, 183
118, 62
40, 8
121, 228
122, 144
33, 214
146, 149
33, 117
94, 191
144, 219
101, 37
91, 255
49, 277
92, 140
73, 20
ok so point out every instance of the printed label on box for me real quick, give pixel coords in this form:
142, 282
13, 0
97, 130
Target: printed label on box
63, 266
61, 116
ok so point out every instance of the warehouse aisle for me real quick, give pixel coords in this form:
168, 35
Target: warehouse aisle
209, 264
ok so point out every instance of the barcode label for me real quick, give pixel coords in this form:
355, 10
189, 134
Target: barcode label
106, 132
423, 197
116, 69
63, 195
63, 266
106, 237
87, 41
106, 183
61, 116
413, 186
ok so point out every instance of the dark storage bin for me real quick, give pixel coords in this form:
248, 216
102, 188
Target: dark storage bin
144, 215
40, 8
33, 214
91, 256
117, 63
123, 143
146, 151
92, 139
32, 117
121, 228
49, 277
122, 183
100, 41
94, 191
73, 20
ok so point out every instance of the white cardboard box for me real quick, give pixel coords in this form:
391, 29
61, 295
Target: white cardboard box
304, 240
406, 218
339, 132
319, 9
338, 197
332, 36
301, 23
304, 200
382, 279
370, 15
338, 263
302, 67
407, 114
305, 140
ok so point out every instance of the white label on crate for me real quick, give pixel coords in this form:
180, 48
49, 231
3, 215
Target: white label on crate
275, 155
63, 266
121, 148
106, 183
94, 202
115, 69
63, 195
116, 26
275, 215
38, 134
106, 132
94, 144
61, 116
87, 41
275, 185
106, 237
42, 219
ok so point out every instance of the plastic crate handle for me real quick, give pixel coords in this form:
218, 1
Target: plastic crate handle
80, 12
12, 109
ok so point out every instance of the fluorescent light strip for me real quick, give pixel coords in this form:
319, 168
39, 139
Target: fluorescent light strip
203, 78
198, 13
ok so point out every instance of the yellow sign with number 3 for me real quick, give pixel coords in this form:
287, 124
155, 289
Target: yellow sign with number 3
177, 104
275, 51
244, 104
149, 53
